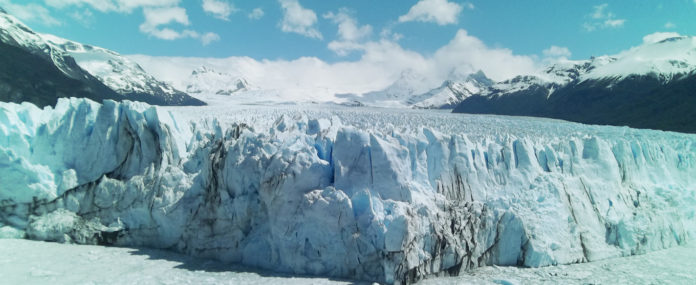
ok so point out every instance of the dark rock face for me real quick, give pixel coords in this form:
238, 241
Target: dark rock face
32, 69
29, 77
26, 77
636, 101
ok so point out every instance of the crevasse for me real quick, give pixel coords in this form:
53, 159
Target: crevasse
315, 195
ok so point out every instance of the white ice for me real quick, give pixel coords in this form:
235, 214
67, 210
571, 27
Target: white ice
371, 194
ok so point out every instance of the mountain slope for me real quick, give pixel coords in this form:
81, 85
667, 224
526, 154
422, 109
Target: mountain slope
19, 83
41, 68
397, 94
205, 80
451, 92
413, 90
651, 86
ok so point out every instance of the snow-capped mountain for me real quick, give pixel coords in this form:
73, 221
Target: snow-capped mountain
82, 65
648, 86
413, 90
451, 92
409, 84
205, 80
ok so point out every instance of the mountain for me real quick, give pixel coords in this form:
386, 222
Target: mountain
413, 90
205, 80
649, 86
409, 84
451, 92
40, 68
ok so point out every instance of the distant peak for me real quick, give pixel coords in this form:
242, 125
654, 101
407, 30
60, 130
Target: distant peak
410, 77
202, 69
459, 75
480, 77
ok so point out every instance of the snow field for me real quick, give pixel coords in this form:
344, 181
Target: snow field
35, 262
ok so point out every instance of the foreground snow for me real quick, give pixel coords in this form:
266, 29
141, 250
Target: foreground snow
31, 262
671, 266
379, 195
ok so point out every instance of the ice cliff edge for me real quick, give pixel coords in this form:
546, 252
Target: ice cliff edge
318, 196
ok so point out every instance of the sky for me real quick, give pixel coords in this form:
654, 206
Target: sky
501, 37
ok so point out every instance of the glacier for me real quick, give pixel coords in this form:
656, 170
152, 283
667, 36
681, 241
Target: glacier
383, 195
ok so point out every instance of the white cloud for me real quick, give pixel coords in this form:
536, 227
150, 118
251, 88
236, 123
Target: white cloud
497, 63
85, 16
556, 51
659, 36
297, 19
380, 64
602, 18
441, 12
155, 18
554, 54
219, 9
256, 14
126, 6
159, 15
349, 34
348, 28
471, 6
387, 33
32, 12
670, 25
614, 23
209, 37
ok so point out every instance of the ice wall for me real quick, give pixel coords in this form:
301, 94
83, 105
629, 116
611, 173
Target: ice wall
317, 196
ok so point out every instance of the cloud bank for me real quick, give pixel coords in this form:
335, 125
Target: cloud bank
380, 63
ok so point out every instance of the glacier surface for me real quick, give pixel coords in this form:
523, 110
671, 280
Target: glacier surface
370, 194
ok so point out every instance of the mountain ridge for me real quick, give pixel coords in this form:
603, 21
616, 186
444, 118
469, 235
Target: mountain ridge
412, 90
90, 72
649, 86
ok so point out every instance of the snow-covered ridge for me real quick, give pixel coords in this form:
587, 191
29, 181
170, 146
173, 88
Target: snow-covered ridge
643, 87
205, 80
12, 31
666, 60
413, 90
118, 73
370, 195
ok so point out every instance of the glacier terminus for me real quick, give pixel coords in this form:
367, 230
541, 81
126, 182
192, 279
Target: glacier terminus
362, 194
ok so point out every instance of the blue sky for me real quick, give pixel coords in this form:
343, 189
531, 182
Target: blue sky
585, 28
358, 45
